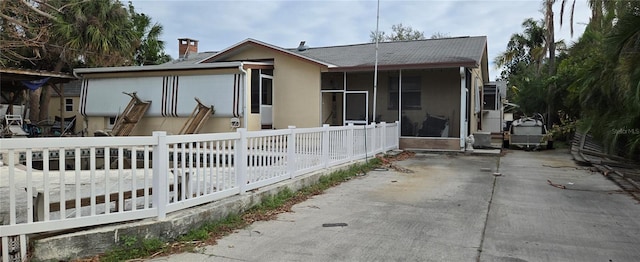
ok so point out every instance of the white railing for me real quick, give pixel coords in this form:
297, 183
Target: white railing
50, 184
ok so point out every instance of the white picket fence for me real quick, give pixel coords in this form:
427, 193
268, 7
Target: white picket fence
103, 180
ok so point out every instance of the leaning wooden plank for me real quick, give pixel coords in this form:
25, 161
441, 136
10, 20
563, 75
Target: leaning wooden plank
197, 118
131, 115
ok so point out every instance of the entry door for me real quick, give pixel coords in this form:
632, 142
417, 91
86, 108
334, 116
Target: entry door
356, 105
266, 101
332, 107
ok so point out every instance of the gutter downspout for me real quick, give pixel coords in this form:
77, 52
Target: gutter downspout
85, 121
245, 120
463, 108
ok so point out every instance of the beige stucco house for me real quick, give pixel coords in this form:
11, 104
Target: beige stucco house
253, 84
65, 105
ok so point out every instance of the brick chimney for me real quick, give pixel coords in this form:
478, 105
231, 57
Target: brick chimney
187, 46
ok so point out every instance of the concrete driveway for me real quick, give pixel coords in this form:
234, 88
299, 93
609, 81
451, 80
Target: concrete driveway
451, 208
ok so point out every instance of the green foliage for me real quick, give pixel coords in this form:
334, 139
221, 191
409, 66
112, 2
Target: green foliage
597, 83
523, 50
133, 247
565, 130
607, 83
204, 232
94, 33
522, 65
63, 34
530, 90
149, 49
275, 201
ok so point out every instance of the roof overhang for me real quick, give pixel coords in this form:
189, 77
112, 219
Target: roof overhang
164, 67
20, 74
11, 78
368, 67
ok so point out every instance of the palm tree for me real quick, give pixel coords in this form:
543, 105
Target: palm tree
607, 81
522, 61
90, 33
94, 33
149, 47
551, 47
624, 51
526, 47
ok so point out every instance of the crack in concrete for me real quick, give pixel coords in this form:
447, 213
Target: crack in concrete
486, 220
232, 258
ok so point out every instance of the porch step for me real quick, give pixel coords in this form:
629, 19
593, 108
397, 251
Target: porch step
430, 143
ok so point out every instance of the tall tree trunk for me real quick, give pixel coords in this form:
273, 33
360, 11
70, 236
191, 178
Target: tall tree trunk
46, 94
551, 42
44, 101
34, 105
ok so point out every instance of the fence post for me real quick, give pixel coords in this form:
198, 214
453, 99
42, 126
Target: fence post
374, 141
383, 136
325, 145
350, 141
241, 155
291, 152
397, 135
160, 168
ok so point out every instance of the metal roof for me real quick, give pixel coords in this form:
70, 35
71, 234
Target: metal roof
442, 52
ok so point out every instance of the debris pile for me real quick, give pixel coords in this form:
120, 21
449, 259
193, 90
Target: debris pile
386, 161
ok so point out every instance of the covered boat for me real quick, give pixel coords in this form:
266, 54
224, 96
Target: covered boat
529, 133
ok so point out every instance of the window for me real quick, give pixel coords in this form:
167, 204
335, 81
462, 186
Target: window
266, 72
258, 77
411, 93
333, 81
68, 104
111, 121
490, 98
255, 91
267, 91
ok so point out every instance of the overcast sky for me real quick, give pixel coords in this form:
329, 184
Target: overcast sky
219, 24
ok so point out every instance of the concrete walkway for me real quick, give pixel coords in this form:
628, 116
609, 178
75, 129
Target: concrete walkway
451, 208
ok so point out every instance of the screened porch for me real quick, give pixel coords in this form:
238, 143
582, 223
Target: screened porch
430, 102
